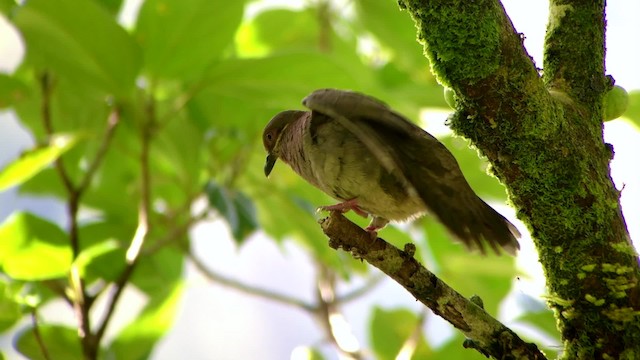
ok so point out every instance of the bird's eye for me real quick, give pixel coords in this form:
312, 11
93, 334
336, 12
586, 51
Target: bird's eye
269, 136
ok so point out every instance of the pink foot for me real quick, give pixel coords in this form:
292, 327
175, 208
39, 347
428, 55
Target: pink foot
376, 224
345, 206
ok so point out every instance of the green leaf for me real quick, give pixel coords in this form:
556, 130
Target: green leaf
113, 6
154, 273
33, 161
302, 30
6, 6
79, 40
137, 340
103, 260
236, 208
9, 308
475, 169
395, 30
182, 38
12, 91
453, 350
61, 342
390, 329
33, 248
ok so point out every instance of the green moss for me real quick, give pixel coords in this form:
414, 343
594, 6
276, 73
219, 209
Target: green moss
624, 247
581, 275
621, 314
588, 268
456, 36
595, 301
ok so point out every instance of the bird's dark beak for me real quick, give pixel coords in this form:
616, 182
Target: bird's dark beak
269, 163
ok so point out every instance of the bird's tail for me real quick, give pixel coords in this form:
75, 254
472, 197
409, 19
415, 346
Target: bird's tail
483, 226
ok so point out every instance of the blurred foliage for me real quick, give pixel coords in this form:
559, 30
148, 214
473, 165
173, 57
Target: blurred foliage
201, 80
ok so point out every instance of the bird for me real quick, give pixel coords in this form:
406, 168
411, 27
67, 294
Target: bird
377, 163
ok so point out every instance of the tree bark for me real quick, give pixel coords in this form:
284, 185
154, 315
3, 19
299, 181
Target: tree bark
543, 138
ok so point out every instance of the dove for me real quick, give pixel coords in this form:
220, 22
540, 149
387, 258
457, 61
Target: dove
376, 162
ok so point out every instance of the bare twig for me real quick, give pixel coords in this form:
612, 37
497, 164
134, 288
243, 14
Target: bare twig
175, 233
144, 221
248, 289
38, 336
371, 283
487, 332
80, 305
332, 320
411, 344
112, 122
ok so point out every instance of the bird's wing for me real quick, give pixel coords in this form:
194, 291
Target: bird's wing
420, 162
357, 113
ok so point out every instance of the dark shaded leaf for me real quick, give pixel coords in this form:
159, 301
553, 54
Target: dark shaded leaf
61, 342
235, 207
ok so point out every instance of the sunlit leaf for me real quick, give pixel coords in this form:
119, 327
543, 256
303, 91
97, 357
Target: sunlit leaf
453, 350
390, 329
32, 161
33, 248
79, 40
61, 343
182, 38
394, 29
9, 308
475, 169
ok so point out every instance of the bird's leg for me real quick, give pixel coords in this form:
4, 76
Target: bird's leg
345, 206
376, 224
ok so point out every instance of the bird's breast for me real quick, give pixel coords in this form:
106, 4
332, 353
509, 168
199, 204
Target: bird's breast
345, 169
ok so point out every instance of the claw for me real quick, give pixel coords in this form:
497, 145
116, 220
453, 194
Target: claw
345, 206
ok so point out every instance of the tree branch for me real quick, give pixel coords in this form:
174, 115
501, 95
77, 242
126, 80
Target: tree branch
248, 289
38, 336
544, 142
144, 220
488, 334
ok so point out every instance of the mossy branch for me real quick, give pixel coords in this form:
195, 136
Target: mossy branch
543, 138
487, 334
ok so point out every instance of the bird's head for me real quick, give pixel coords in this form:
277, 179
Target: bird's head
272, 135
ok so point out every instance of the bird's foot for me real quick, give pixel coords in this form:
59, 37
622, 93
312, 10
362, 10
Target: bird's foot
345, 206
376, 224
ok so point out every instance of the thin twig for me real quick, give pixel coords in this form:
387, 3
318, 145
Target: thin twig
46, 88
175, 233
80, 305
411, 344
333, 321
371, 283
144, 220
112, 122
248, 289
38, 336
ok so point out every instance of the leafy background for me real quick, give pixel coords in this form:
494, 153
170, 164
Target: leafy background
210, 74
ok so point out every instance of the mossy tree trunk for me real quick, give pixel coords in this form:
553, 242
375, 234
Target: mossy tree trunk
543, 137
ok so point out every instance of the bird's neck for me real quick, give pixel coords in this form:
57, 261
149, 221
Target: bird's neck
292, 149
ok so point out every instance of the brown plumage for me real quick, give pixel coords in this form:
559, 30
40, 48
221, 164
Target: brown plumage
359, 151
